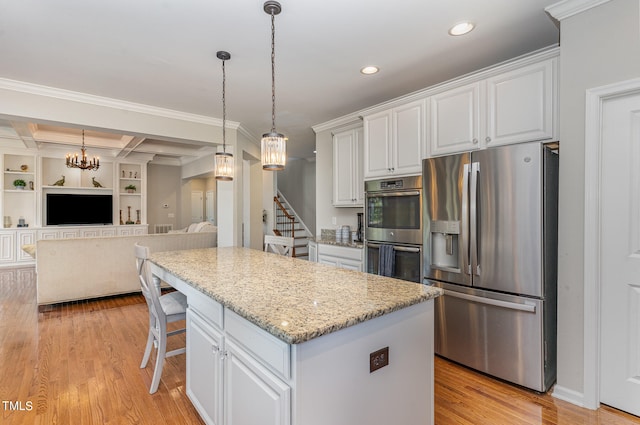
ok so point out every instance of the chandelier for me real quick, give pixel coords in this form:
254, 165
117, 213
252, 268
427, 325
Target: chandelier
273, 144
224, 160
83, 163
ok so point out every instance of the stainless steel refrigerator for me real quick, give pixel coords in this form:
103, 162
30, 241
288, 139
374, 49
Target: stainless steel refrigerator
490, 241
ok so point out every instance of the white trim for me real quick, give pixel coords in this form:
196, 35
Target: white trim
56, 93
592, 232
568, 395
567, 8
344, 121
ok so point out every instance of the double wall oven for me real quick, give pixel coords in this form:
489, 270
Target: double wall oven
393, 225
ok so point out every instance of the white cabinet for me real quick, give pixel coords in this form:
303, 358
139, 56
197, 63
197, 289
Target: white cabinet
521, 104
511, 107
232, 364
348, 182
313, 251
11, 241
7, 247
253, 394
204, 368
455, 119
24, 237
394, 141
341, 256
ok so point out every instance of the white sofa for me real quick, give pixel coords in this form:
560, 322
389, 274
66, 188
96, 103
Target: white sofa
83, 268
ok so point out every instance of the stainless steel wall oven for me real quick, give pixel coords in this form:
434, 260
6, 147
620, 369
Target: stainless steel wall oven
393, 227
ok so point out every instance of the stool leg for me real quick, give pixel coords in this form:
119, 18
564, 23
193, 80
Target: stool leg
147, 350
162, 349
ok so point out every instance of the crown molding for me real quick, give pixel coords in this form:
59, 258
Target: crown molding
339, 123
567, 8
67, 95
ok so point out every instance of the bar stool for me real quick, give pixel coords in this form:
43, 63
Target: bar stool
279, 244
163, 309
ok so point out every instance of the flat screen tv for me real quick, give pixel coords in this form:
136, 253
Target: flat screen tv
74, 209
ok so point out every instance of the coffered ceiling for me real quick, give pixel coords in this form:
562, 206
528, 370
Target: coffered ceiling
163, 54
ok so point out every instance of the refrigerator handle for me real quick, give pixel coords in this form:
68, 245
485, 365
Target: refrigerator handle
466, 265
473, 214
529, 308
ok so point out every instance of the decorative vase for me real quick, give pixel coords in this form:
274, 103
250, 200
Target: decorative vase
121, 222
138, 214
129, 215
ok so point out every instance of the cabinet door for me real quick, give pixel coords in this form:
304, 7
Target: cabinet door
253, 395
7, 247
313, 252
408, 136
204, 371
25, 237
344, 150
351, 265
377, 142
521, 105
455, 120
324, 259
358, 168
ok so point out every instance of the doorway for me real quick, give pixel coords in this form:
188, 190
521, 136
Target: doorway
197, 206
612, 247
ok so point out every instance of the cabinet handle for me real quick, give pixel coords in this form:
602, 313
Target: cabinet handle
223, 355
488, 139
475, 141
215, 349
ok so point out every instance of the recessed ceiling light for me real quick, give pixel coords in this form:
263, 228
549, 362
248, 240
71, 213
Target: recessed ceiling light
368, 70
461, 28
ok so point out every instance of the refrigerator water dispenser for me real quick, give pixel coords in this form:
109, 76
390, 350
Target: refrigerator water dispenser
444, 244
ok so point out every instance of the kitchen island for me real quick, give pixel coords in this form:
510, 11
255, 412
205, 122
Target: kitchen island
278, 340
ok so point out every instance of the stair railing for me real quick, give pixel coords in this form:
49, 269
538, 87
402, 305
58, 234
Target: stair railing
284, 222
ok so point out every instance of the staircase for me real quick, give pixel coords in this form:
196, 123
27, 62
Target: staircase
288, 223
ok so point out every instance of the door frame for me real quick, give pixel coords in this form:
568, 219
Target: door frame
592, 240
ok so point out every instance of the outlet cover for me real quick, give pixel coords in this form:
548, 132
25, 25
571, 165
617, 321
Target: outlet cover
378, 359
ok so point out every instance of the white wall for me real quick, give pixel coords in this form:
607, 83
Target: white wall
325, 211
599, 46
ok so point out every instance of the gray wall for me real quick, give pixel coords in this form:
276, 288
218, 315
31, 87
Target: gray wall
598, 47
297, 182
163, 187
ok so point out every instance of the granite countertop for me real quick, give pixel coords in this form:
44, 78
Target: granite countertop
294, 300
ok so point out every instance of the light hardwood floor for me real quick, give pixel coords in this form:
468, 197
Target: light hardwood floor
78, 364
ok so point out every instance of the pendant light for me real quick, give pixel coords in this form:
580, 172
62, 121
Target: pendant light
274, 144
224, 160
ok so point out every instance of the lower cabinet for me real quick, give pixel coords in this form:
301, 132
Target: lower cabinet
248, 383
341, 256
204, 368
223, 378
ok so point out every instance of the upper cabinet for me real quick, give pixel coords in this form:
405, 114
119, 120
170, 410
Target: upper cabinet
394, 141
510, 107
348, 184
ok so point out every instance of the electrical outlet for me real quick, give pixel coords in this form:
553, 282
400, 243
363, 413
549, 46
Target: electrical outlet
378, 359
334, 220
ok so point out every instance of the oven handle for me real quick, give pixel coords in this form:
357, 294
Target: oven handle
396, 247
385, 194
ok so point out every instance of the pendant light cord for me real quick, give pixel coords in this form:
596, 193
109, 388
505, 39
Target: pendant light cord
224, 108
273, 72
